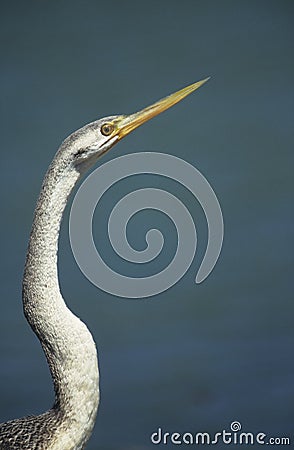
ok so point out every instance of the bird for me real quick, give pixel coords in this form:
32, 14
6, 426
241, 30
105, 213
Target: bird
66, 341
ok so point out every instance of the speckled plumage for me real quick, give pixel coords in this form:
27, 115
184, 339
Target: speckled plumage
66, 341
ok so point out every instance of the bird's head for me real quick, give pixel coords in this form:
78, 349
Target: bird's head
93, 140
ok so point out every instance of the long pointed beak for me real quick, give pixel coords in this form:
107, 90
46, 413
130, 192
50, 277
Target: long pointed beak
126, 124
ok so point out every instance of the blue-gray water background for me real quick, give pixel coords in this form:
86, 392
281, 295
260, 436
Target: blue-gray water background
194, 358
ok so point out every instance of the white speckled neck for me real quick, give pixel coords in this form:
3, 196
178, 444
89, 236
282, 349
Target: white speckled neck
67, 343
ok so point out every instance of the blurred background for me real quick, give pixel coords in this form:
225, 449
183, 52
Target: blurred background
195, 357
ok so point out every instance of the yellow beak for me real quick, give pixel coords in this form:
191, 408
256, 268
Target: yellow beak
126, 124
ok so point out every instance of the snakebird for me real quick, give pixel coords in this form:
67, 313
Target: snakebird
66, 341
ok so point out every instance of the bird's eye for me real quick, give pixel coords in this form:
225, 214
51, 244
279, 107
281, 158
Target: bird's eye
107, 129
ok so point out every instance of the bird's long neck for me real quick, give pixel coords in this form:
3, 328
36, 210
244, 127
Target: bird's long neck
67, 343
41, 262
